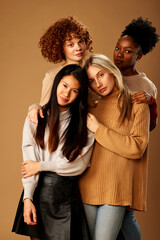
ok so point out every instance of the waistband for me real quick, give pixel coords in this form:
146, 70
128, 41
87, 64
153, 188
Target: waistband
55, 175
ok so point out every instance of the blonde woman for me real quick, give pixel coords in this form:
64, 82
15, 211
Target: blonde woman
116, 179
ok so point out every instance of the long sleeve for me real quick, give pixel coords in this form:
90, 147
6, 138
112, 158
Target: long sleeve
30, 152
133, 145
62, 166
153, 113
46, 89
55, 161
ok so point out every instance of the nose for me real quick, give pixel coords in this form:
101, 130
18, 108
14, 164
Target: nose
120, 53
78, 46
66, 92
98, 83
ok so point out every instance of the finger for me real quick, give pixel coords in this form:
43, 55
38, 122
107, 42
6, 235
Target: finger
34, 217
41, 113
35, 120
137, 93
138, 96
26, 162
29, 117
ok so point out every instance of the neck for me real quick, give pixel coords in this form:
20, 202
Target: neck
129, 71
72, 62
63, 109
111, 96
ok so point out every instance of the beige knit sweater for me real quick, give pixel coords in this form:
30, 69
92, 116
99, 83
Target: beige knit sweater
118, 172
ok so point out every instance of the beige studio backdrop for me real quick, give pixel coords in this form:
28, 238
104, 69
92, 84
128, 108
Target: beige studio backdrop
23, 68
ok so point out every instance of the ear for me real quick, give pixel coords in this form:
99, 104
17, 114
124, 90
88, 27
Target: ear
139, 56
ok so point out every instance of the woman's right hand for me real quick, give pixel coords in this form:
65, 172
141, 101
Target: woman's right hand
33, 115
29, 213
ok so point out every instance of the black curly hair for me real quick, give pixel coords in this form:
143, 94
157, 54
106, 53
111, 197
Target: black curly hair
144, 34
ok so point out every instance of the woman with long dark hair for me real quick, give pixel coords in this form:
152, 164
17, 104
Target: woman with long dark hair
60, 148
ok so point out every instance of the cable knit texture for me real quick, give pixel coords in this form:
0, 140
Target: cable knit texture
118, 172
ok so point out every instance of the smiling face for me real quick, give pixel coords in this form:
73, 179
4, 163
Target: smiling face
126, 53
102, 82
74, 50
67, 92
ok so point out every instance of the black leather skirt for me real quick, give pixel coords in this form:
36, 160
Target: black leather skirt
60, 213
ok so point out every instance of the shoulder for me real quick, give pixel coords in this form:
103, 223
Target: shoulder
145, 78
52, 72
29, 127
50, 75
149, 83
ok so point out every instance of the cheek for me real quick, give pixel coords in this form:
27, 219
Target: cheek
130, 59
67, 51
73, 97
59, 89
83, 46
114, 53
94, 87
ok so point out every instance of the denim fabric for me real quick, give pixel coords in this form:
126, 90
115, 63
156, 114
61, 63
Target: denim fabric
130, 227
104, 220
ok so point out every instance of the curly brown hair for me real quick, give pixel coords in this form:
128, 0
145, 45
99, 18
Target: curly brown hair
51, 43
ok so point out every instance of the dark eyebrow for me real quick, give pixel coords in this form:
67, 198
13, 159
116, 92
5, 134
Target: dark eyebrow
99, 72
65, 82
67, 85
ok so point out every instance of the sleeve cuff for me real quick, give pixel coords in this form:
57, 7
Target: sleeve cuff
29, 191
37, 106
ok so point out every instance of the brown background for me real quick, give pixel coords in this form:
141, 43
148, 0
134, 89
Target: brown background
23, 68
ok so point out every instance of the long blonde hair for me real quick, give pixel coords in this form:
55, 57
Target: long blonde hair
124, 97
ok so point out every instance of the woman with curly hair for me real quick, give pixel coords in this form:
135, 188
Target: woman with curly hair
138, 38
66, 42
56, 151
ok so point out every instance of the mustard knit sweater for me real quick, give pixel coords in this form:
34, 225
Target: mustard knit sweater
118, 172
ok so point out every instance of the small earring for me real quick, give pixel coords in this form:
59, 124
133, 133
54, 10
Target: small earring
137, 59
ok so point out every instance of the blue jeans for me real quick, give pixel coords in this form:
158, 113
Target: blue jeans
130, 229
104, 220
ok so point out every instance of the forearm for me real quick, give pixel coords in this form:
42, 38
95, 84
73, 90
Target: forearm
130, 145
62, 166
29, 185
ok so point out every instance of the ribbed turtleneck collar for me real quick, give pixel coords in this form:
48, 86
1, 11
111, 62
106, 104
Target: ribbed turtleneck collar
111, 97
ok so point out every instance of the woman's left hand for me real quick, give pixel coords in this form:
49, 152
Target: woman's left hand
141, 97
92, 123
30, 168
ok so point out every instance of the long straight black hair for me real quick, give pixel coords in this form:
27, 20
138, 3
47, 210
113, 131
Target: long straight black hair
75, 136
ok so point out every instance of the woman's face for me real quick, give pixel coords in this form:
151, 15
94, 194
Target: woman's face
126, 53
67, 92
102, 82
74, 50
